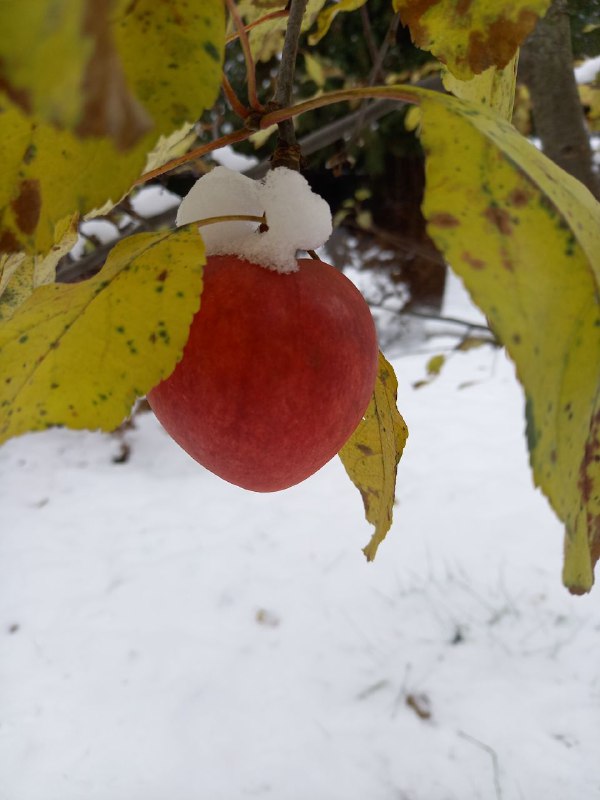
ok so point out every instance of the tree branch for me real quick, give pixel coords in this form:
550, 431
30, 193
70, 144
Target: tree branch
546, 66
287, 153
70, 271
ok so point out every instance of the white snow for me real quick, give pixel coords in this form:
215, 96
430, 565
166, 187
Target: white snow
152, 200
297, 218
588, 70
228, 157
164, 634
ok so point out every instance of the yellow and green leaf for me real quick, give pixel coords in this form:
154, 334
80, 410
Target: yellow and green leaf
80, 354
327, 16
170, 60
494, 87
21, 274
469, 36
43, 55
266, 40
372, 454
525, 238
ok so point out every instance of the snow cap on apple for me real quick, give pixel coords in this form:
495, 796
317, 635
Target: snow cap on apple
298, 219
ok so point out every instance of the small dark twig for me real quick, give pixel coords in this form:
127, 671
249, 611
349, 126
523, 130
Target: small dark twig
376, 72
287, 153
368, 31
471, 326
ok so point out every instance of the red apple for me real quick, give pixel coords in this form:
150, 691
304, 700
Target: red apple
276, 374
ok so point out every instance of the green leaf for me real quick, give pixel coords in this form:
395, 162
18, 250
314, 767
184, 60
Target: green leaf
371, 455
469, 36
80, 354
525, 238
163, 65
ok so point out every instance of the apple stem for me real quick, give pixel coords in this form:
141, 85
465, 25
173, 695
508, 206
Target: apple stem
262, 220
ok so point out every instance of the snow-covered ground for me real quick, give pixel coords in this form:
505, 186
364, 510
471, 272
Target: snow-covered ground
167, 636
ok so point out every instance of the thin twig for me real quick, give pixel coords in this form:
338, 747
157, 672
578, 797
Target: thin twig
383, 50
250, 66
368, 31
439, 318
267, 18
286, 150
193, 155
493, 755
376, 73
236, 105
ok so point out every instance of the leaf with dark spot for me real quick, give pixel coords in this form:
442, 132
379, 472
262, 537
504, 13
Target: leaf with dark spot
538, 231
64, 337
469, 37
371, 455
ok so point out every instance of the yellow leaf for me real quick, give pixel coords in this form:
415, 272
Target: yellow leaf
266, 40
170, 54
494, 87
314, 70
260, 138
590, 98
412, 118
172, 146
469, 36
473, 342
80, 354
435, 364
21, 274
372, 454
525, 238
43, 56
327, 16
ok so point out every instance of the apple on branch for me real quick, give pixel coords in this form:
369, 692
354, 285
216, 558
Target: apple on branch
281, 358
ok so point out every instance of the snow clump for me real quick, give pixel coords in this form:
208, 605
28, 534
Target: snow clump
297, 218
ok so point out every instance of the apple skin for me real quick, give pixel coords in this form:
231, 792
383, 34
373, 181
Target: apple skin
276, 374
